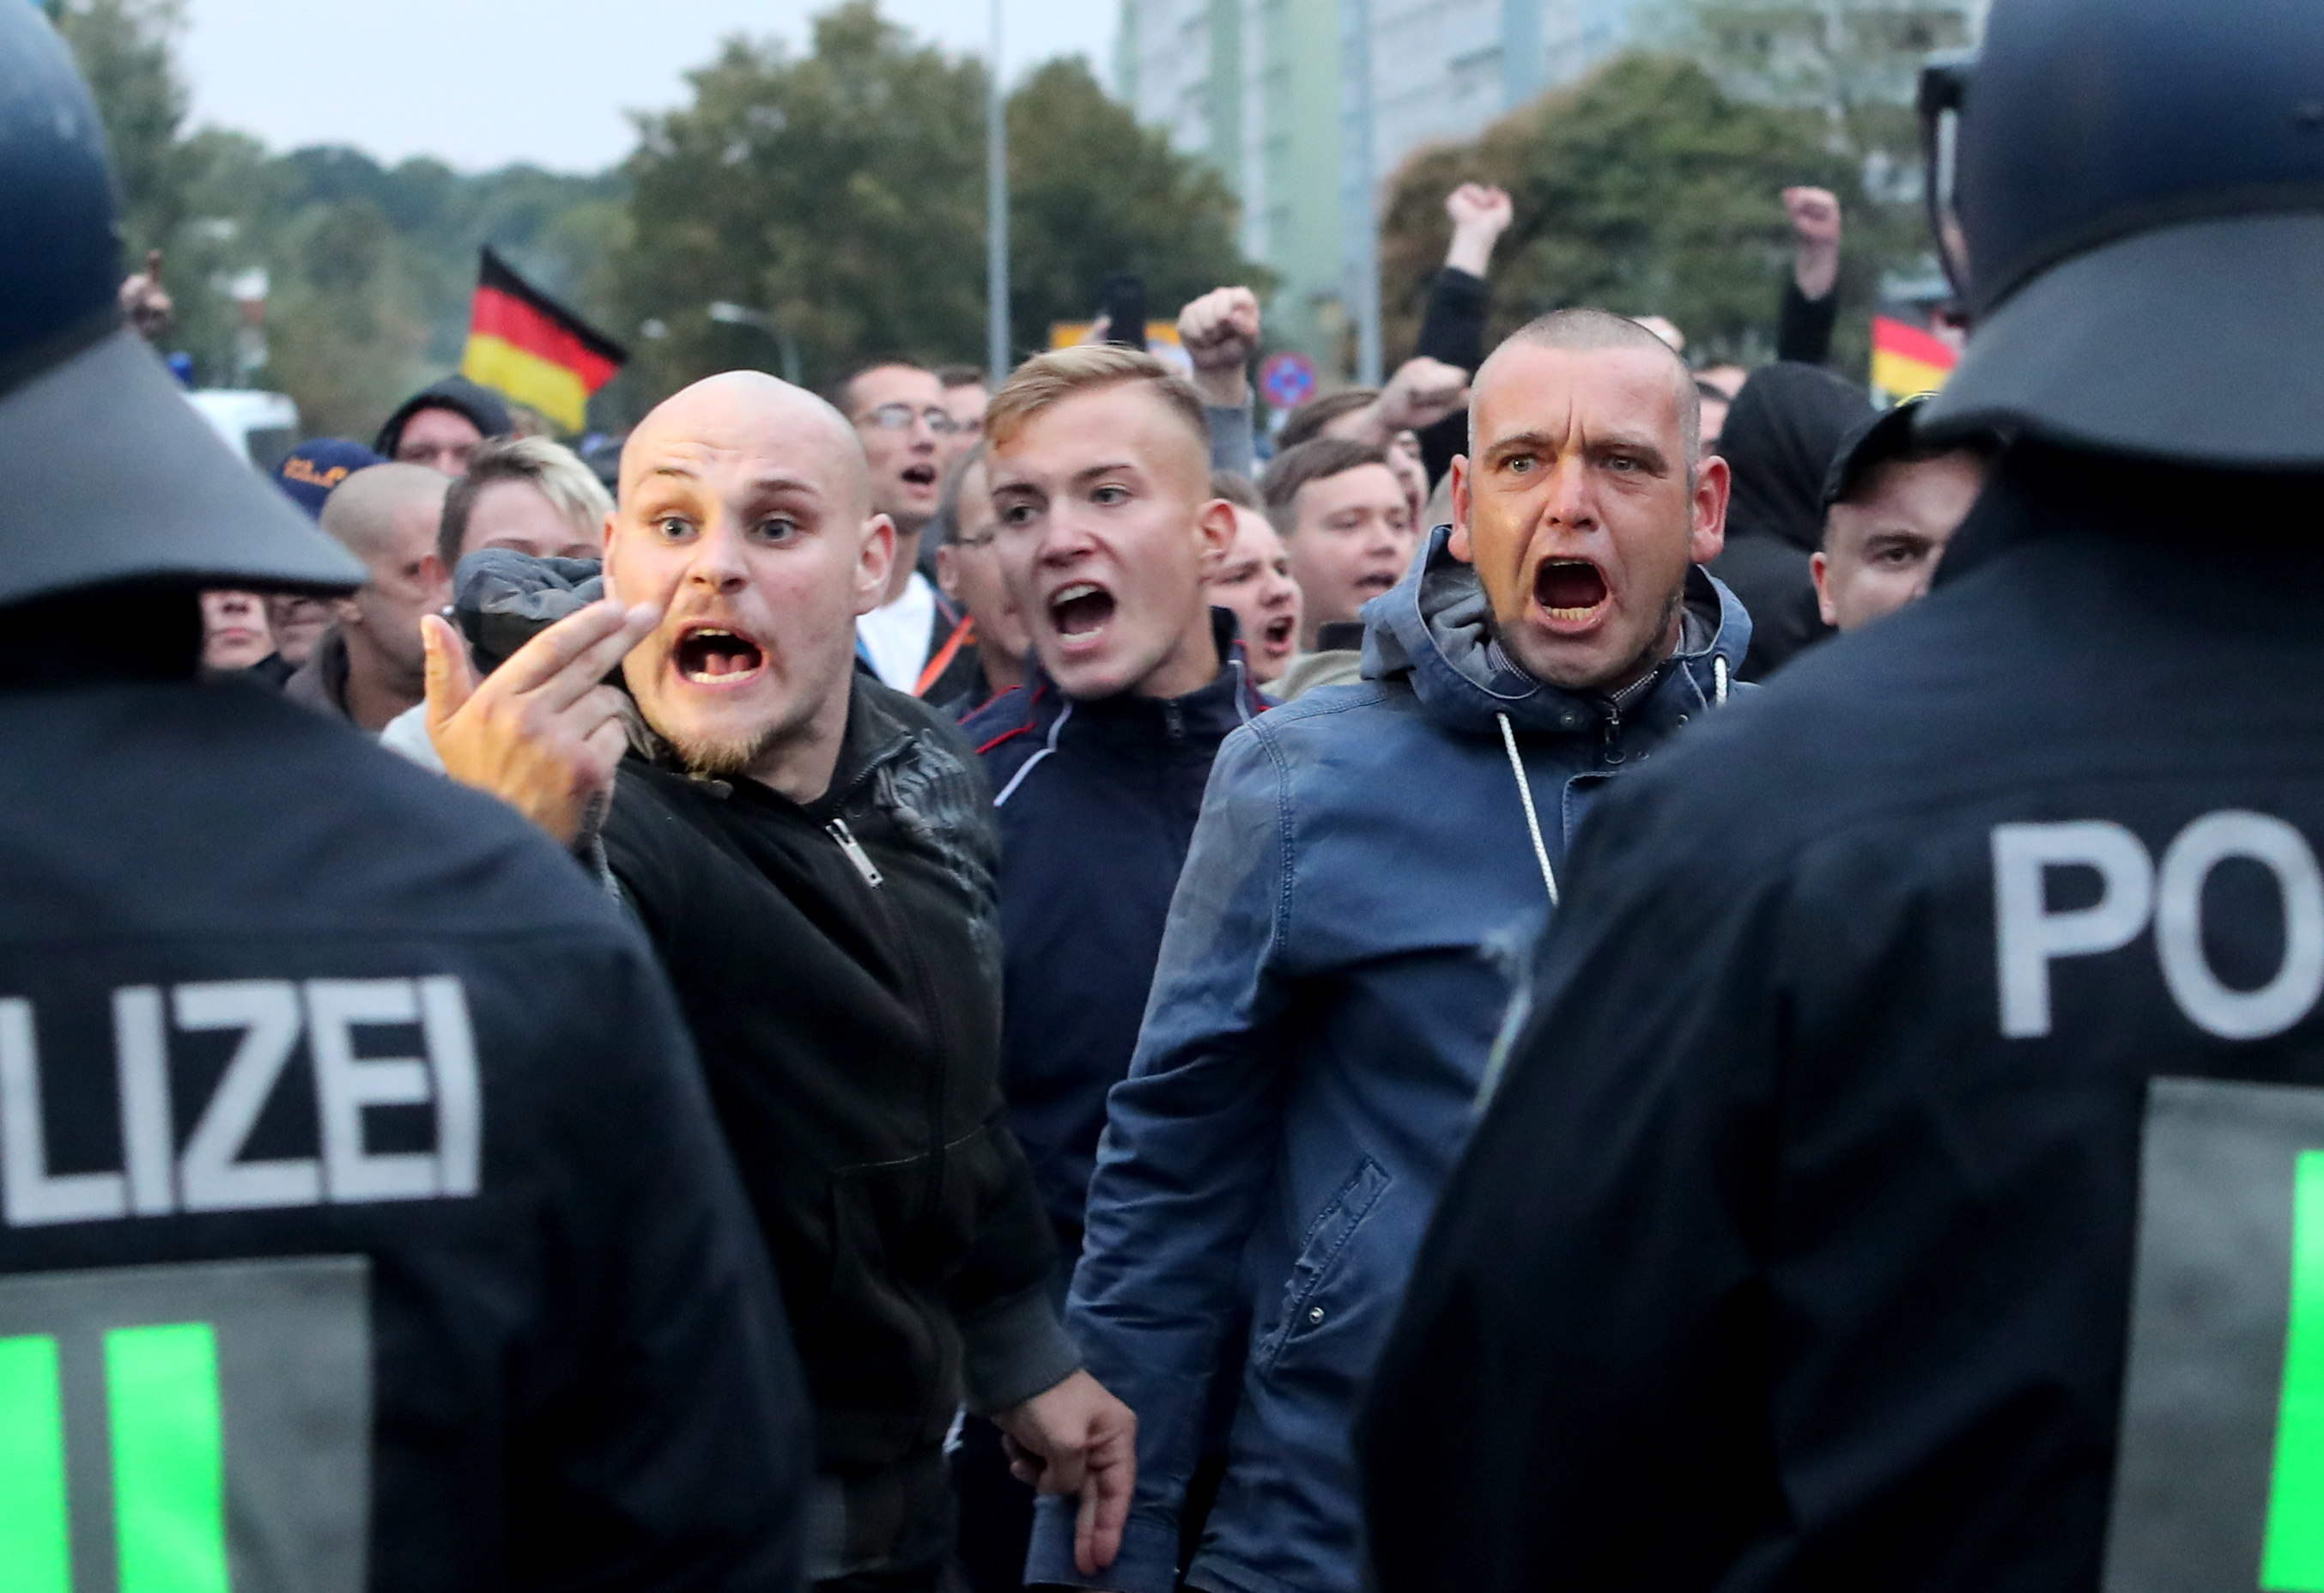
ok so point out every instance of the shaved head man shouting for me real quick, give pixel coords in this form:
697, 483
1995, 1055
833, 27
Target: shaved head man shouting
812, 855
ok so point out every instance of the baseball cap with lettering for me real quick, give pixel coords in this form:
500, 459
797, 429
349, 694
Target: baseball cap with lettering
310, 471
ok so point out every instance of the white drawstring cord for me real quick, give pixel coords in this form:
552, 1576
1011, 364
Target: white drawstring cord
1718, 679
1524, 795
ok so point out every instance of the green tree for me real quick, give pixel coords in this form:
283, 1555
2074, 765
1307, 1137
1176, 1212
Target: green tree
370, 267
1092, 192
1856, 61
125, 50
842, 192
1644, 189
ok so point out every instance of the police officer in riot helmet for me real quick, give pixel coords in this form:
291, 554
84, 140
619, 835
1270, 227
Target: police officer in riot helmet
363, 1225
1909, 1170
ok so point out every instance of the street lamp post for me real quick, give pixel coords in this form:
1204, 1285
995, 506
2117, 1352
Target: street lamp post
996, 213
743, 315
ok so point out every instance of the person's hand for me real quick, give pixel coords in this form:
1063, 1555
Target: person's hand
1421, 392
543, 732
1814, 215
1479, 214
1078, 1439
1220, 333
144, 303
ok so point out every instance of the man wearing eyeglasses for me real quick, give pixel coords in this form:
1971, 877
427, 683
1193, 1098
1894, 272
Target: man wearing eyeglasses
898, 410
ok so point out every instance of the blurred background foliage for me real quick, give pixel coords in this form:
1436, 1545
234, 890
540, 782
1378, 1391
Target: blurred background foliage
838, 194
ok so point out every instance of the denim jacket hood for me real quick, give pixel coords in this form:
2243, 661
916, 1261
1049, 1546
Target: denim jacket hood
1360, 893
1434, 631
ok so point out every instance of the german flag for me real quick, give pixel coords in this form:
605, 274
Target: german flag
1907, 361
523, 343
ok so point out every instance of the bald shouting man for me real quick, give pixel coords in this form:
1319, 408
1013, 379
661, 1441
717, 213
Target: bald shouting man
812, 855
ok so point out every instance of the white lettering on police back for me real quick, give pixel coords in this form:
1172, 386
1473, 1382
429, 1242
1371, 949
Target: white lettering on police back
210, 1174
2134, 893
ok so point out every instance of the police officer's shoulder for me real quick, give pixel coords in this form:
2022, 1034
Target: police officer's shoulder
1825, 750
313, 822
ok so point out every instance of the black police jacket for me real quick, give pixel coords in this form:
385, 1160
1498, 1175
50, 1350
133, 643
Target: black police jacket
1911, 1173
839, 964
363, 1227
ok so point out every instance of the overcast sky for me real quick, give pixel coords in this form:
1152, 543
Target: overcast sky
481, 83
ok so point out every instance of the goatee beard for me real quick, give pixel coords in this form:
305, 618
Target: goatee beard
729, 757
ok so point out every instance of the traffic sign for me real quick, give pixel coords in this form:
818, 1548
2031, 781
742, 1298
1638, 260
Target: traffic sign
1287, 379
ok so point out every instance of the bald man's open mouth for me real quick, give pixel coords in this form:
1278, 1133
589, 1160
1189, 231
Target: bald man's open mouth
718, 656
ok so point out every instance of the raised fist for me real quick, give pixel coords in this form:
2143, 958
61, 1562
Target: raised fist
145, 303
1220, 333
1476, 205
1814, 214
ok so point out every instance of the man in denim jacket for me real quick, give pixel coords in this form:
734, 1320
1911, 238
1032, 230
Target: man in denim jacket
1368, 863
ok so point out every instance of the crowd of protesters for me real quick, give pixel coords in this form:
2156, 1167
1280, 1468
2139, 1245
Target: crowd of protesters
1025, 981
984, 655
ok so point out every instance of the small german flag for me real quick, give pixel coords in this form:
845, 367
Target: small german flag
1907, 361
525, 344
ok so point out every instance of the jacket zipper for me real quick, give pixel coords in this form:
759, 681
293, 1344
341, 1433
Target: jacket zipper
1174, 719
838, 830
924, 989
1613, 733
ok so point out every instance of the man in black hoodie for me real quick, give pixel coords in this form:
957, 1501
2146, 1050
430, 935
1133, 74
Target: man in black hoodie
1786, 427
811, 854
442, 425
1912, 1174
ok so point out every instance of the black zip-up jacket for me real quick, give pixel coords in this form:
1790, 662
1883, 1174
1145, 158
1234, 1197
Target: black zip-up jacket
1912, 1174
839, 965
352, 1157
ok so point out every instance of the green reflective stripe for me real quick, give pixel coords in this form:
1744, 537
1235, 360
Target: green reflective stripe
35, 1536
168, 1459
2293, 1559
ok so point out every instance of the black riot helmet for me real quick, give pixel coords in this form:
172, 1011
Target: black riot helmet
2139, 191
106, 473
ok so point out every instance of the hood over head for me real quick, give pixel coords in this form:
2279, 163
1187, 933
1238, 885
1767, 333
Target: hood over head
482, 406
1434, 630
1786, 427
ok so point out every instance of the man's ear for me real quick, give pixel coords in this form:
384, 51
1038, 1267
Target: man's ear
1457, 544
876, 558
1712, 482
1214, 532
1820, 571
948, 571
435, 576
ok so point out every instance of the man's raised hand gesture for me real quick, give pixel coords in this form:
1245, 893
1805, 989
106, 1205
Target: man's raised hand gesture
1421, 392
1479, 214
543, 732
1814, 215
1220, 333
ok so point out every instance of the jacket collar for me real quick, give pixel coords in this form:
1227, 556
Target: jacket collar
874, 736
321, 682
1205, 714
1433, 631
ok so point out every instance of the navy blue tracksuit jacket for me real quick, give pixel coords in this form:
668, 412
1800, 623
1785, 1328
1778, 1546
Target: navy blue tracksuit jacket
1096, 803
